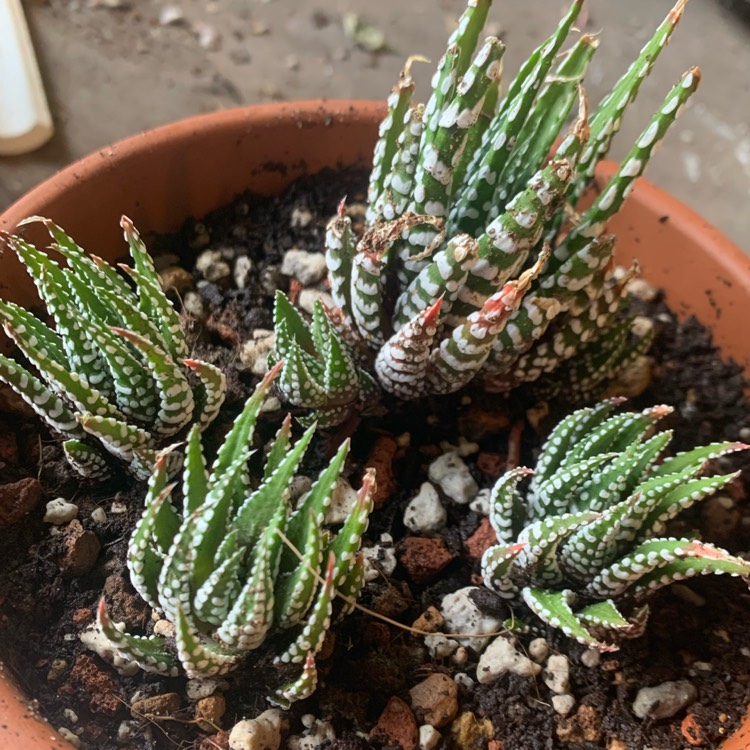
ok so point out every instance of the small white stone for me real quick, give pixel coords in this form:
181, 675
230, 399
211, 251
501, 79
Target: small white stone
429, 737
460, 657
316, 733
461, 678
127, 730
308, 297
192, 304
307, 268
440, 646
60, 511
665, 700
203, 688
538, 649
164, 628
453, 477
271, 404
171, 15
687, 595
118, 507
67, 735
425, 512
591, 658
211, 265
379, 559
243, 268
556, 675
502, 656
301, 217
99, 515
563, 704
463, 616
254, 352
70, 715
262, 733
641, 289
481, 503
343, 499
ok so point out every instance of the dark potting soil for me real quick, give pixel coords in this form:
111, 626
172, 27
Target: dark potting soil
50, 582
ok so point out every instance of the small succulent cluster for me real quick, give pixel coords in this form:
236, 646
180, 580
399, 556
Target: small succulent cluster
231, 565
114, 373
582, 548
463, 198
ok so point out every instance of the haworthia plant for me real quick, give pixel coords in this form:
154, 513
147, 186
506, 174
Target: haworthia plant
113, 375
463, 198
583, 546
231, 563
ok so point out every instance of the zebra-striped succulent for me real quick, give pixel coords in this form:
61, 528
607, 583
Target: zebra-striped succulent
114, 373
463, 197
231, 566
583, 547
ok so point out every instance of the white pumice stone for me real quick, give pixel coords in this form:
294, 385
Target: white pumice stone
99, 515
69, 736
463, 616
665, 700
307, 268
538, 649
316, 733
502, 656
60, 511
243, 268
429, 737
308, 297
591, 658
481, 503
380, 559
453, 477
203, 688
425, 512
343, 499
254, 352
440, 646
563, 704
262, 733
556, 675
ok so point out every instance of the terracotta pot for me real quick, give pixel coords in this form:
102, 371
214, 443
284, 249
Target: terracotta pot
164, 176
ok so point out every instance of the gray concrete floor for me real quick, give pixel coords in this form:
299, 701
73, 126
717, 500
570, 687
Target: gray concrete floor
111, 70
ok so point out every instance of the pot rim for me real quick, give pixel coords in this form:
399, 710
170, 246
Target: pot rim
732, 263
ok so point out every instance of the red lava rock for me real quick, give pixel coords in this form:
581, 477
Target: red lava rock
482, 423
380, 458
81, 550
692, 731
397, 725
295, 287
100, 686
82, 616
18, 499
494, 745
435, 700
423, 557
584, 726
492, 464
480, 540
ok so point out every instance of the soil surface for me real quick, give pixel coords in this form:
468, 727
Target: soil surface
52, 576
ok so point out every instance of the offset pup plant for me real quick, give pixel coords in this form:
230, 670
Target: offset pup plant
463, 197
114, 372
231, 566
583, 547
